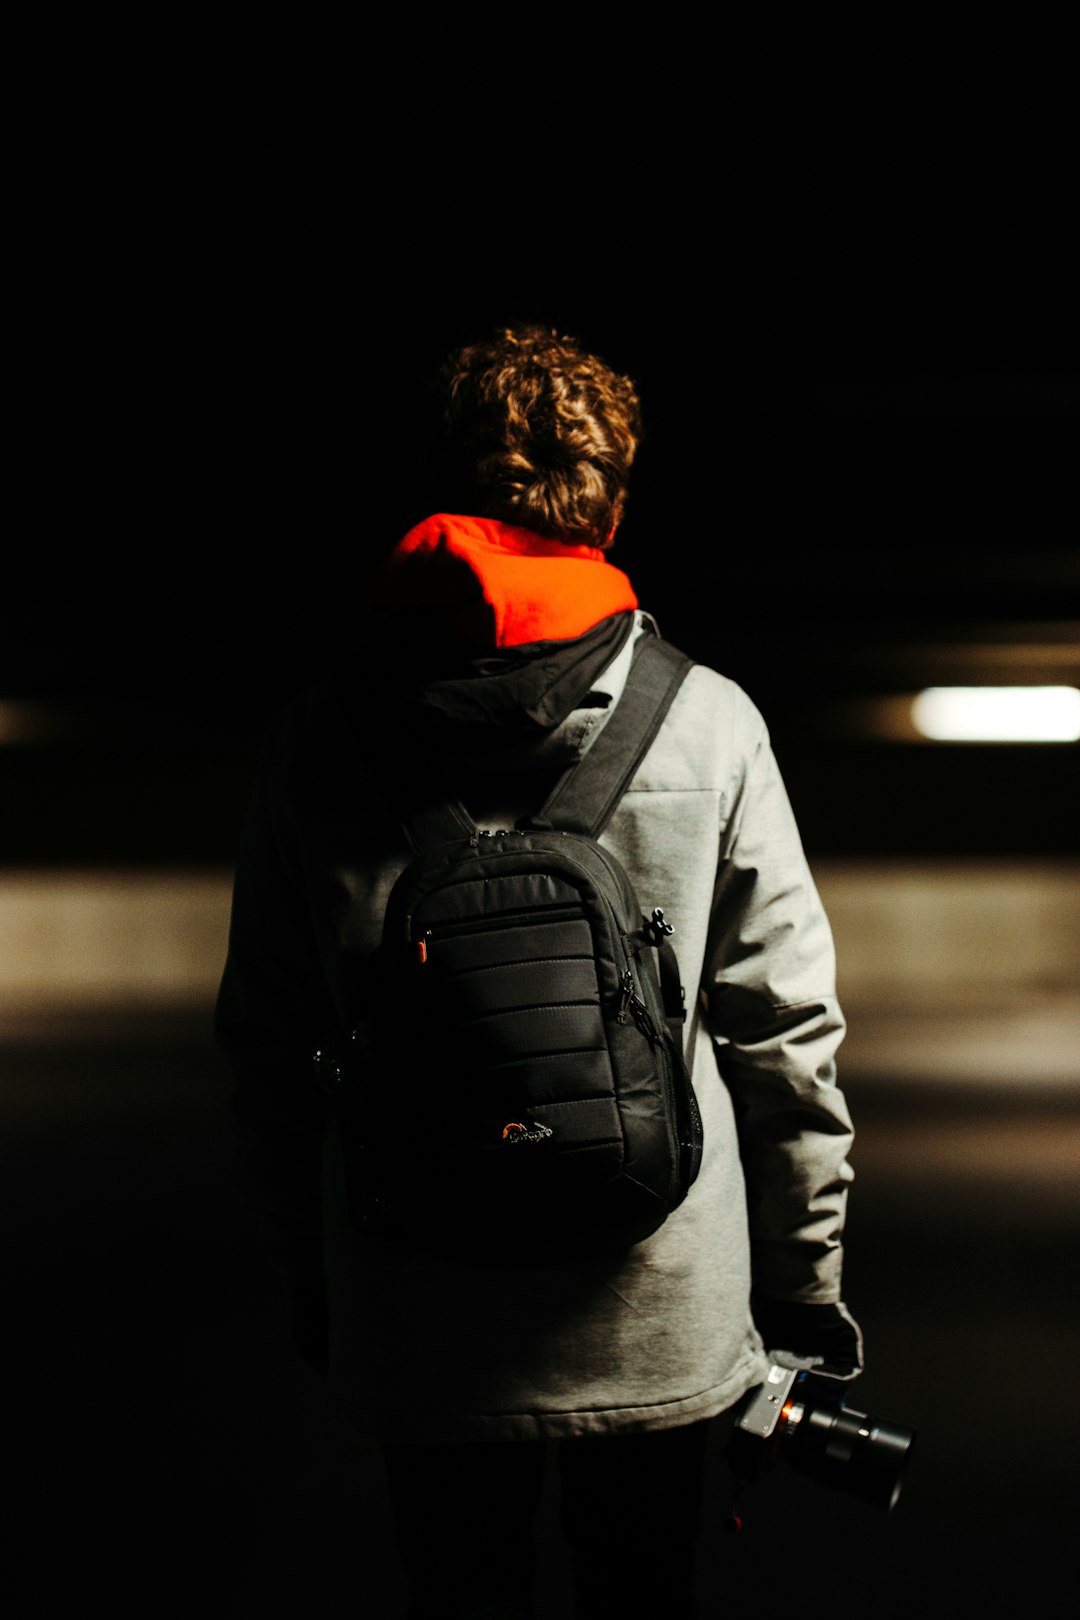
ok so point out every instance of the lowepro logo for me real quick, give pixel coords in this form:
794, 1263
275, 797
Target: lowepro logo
528, 1131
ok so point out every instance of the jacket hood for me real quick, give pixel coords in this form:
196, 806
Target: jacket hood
489, 636
496, 585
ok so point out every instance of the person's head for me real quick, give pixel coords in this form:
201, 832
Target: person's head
541, 433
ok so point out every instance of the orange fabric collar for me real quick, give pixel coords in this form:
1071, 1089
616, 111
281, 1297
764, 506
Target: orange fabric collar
502, 586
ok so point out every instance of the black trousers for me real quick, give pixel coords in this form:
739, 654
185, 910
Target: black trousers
630, 1510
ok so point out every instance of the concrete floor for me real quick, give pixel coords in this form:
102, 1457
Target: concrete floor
177, 1458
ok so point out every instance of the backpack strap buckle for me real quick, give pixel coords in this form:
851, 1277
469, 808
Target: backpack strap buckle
657, 929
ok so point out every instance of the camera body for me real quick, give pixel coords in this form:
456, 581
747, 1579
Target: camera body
795, 1417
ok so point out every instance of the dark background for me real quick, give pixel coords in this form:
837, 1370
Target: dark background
837, 252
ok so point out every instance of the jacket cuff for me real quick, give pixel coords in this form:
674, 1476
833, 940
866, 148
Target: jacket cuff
818, 1338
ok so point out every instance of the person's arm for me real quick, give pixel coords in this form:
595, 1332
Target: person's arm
770, 1002
273, 1010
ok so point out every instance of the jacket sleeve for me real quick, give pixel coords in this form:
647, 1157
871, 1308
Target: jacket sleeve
273, 1009
770, 1003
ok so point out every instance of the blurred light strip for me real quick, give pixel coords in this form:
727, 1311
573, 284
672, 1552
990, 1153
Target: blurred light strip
998, 713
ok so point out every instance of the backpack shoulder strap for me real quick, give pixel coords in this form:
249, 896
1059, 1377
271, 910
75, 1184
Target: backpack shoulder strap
585, 797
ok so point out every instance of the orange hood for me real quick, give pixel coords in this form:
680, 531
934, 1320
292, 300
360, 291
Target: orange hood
502, 586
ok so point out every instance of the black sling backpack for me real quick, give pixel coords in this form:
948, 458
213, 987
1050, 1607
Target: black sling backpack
517, 1091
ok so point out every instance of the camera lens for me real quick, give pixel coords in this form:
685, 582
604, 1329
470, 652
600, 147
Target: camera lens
849, 1451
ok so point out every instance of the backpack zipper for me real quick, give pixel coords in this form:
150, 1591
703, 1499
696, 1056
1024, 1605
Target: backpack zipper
556, 911
632, 1006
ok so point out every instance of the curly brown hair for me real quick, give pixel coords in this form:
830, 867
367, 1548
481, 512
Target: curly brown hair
545, 431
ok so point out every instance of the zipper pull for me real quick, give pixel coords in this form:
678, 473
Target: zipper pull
632, 1006
643, 1018
626, 997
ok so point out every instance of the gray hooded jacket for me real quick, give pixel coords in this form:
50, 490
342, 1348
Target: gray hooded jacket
423, 1348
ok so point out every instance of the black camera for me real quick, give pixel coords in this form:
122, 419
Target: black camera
795, 1417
